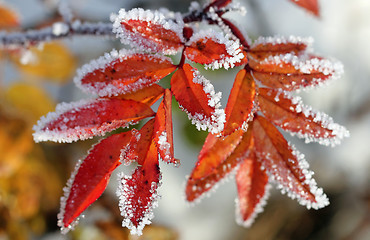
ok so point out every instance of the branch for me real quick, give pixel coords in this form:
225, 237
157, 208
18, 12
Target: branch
58, 30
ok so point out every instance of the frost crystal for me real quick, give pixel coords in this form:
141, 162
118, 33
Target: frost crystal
63, 135
283, 40
114, 87
308, 65
164, 145
60, 28
126, 206
258, 209
63, 201
215, 124
152, 19
290, 187
232, 48
69, 122
321, 118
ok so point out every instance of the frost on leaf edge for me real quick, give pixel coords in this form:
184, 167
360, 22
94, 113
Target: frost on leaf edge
148, 214
155, 17
215, 124
103, 89
232, 47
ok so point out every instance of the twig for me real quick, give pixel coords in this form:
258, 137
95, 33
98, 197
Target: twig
58, 30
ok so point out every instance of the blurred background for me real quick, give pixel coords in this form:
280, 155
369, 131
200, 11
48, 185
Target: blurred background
32, 175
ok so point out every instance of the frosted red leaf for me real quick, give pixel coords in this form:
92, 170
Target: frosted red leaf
122, 72
285, 165
146, 134
85, 119
215, 151
197, 97
138, 193
240, 103
91, 177
195, 188
276, 45
290, 81
214, 50
310, 5
148, 95
292, 72
253, 188
163, 129
148, 30
291, 115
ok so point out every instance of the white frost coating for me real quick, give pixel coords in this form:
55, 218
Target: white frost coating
125, 205
137, 40
257, 209
308, 41
285, 186
60, 28
28, 57
65, 134
164, 145
109, 89
215, 124
320, 118
63, 201
232, 48
306, 65
212, 14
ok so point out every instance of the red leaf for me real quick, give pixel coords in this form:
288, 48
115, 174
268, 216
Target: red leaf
291, 115
310, 5
291, 72
148, 95
215, 151
163, 129
214, 50
265, 46
85, 119
122, 72
223, 163
252, 184
286, 165
240, 104
290, 81
196, 96
145, 141
91, 176
138, 193
149, 31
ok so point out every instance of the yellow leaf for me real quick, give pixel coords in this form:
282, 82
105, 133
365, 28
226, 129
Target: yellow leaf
29, 99
8, 18
53, 62
15, 143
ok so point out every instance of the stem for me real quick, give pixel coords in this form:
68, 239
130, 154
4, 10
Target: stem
33, 37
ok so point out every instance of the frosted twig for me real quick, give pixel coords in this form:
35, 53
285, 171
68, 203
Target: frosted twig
59, 30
